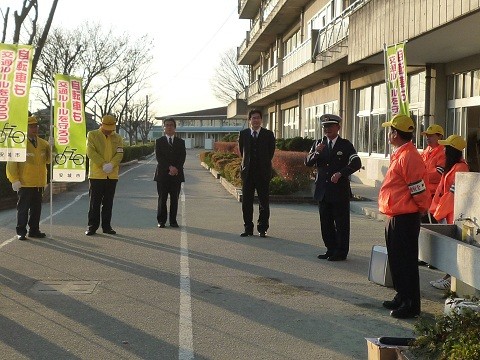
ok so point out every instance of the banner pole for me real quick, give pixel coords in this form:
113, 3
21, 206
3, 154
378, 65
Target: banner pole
51, 155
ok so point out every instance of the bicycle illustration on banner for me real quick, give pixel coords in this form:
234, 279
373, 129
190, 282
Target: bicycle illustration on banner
8, 132
69, 154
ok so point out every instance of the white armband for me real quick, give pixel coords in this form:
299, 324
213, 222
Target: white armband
417, 187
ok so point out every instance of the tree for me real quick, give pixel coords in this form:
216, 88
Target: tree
26, 20
230, 78
114, 68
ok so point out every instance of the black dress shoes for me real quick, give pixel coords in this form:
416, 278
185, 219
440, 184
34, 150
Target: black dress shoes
21, 237
405, 311
246, 233
161, 225
90, 232
324, 256
109, 231
262, 234
37, 234
392, 304
175, 225
337, 258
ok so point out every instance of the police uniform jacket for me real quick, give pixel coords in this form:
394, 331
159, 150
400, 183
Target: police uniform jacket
343, 159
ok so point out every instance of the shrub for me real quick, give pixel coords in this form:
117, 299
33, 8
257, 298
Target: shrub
232, 137
232, 172
137, 151
206, 157
227, 147
450, 337
280, 186
290, 166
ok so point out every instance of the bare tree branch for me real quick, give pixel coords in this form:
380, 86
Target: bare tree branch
230, 79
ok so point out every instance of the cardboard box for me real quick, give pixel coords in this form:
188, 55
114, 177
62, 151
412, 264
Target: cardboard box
378, 351
379, 270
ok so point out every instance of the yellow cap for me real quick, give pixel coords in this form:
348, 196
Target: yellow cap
401, 122
32, 120
454, 141
433, 129
108, 122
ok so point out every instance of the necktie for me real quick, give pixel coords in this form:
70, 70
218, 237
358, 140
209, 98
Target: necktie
255, 135
34, 142
330, 145
170, 141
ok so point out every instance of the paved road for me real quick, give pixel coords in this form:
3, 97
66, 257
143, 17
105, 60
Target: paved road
197, 292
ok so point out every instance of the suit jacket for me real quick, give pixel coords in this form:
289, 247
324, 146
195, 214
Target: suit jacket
343, 159
169, 156
265, 151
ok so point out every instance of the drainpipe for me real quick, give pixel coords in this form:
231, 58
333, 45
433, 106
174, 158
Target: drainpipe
428, 87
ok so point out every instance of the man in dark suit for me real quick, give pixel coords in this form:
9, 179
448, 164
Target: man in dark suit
257, 146
170, 152
336, 159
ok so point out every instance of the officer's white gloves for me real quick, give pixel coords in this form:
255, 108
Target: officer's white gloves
108, 168
16, 186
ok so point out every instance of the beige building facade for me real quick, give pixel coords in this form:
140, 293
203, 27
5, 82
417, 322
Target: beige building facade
309, 57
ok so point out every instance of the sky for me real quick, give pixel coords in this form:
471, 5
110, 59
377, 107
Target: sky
189, 38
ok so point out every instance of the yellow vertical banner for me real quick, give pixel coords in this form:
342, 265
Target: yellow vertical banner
396, 79
70, 147
15, 75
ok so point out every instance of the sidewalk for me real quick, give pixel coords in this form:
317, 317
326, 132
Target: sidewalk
369, 206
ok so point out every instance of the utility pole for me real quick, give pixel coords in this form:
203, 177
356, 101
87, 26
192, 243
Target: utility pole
146, 120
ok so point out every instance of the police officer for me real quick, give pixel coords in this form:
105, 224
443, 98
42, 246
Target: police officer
336, 159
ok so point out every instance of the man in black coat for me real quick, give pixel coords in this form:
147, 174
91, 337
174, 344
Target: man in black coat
336, 159
257, 146
170, 152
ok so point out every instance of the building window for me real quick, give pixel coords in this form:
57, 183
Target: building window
312, 128
371, 111
290, 123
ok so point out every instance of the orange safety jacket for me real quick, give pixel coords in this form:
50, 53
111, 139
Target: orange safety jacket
403, 190
434, 159
442, 203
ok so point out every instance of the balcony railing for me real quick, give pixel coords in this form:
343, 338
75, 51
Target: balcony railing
253, 89
269, 7
255, 28
331, 35
297, 57
269, 77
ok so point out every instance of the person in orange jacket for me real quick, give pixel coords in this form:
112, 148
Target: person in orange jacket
434, 158
443, 200
403, 197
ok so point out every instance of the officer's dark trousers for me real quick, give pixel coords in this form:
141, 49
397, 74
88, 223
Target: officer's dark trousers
29, 209
401, 235
102, 192
335, 226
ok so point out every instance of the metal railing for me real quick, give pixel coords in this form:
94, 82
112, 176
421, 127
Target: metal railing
269, 77
297, 57
269, 7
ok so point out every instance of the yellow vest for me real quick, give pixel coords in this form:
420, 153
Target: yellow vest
32, 172
101, 150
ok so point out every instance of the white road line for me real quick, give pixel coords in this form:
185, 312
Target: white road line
185, 336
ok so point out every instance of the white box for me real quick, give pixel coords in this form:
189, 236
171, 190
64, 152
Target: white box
379, 271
